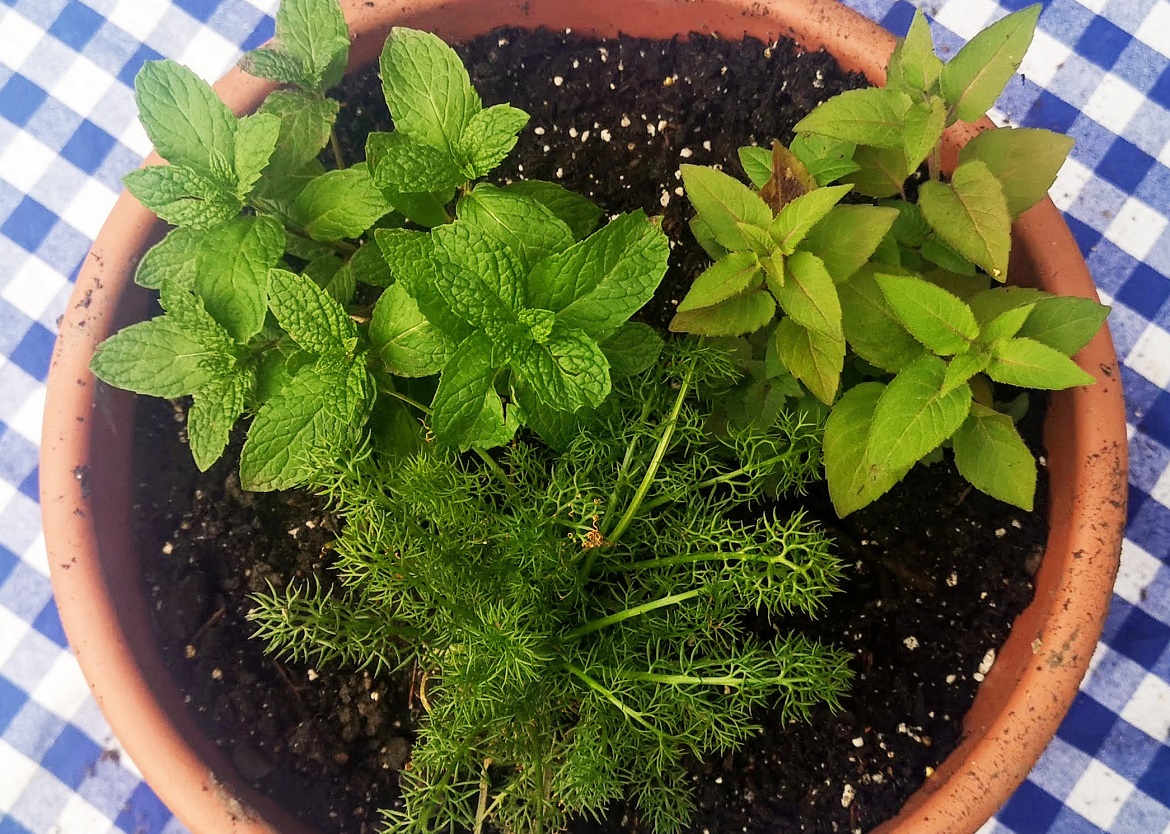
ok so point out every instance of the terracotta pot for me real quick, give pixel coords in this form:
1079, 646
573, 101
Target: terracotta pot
86, 489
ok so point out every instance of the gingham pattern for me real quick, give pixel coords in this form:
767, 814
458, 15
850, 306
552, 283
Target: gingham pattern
1099, 70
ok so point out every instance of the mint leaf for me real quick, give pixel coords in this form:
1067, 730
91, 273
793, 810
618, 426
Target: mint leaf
597, 284
255, 140
410, 257
799, 216
723, 202
556, 428
277, 66
933, 316
1027, 363
427, 88
990, 453
315, 321
736, 316
489, 137
480, 281
574, 210
182, 196
314, 33
873, 330
1024, 160
728, 277
971, 215
872, 116
1064, 323
464, 383
847, 236
187, 122
171, 260
340, 204
913, 416
974, 78
400, 164
493, 427
809, 295
305, 122
329, 273
816, 359
231, 272
159, 358
880, 172
527, 227
403, 339
568, 371
428, 209
632, 348
213, 412
368, 266
853, 483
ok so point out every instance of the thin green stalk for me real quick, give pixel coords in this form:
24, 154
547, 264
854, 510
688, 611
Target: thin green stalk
701, 680
495, 468
719, 479
707, 556
411, 402
630, 613
335, 146
629, 712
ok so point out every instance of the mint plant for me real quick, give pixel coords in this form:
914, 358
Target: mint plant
903, 287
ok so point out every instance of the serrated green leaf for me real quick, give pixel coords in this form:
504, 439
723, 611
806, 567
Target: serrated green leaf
368, 266
526, 226
1024, 160
404, 339
871, 327
801, 214
331, 274
809, 295
574, 210
825, 159
277, 66
256, 137
597, 284
568, 372
186, 121
974, 78
936, 251
493, 427
913, 416
736, 316
816, 359
1027, 363
941, 321
965, 287
159, 358
231, 272
914, 67
1066, 324
409, 257
182, 196
171, 260
871, 116
881, 172
313, 319
852, 482
399, 164
757, 164
213, 412
314, 33
340, 204
395, 428
733, 275
758, 240
480, 281
464, 383
971, 215
706, 238
990, 303
847, 236
632, 348
924, 127
489, 137
723, 202
556, 429
962, 367
990, 453
910, 228
305, 122
427, 88
1004, 326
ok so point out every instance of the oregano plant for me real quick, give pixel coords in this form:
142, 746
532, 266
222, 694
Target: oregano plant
889, 313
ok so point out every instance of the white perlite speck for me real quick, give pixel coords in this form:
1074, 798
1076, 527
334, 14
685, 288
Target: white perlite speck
911, 643
987, 662
952, 580
557, 80
847, 796
950, 678
664, 200
625, 121
606, 136
686, 153
859, 742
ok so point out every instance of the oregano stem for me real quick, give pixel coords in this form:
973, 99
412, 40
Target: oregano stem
335, 146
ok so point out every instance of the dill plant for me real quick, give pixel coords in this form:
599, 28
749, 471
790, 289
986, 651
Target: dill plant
579, 618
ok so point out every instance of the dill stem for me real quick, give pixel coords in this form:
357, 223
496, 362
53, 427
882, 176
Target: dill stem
495, 468
411, 402
703, 680
629, 712
630, 613
727, 477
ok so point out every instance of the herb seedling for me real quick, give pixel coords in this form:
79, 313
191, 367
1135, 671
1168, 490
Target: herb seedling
902, 286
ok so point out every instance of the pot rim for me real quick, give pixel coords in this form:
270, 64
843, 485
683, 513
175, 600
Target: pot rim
1039, 667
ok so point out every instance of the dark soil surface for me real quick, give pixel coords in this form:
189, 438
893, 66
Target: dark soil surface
923, 608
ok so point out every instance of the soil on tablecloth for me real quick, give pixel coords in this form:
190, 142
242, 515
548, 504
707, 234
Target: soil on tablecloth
922, 607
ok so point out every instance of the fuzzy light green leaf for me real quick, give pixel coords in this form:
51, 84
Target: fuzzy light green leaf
971, 215
825, 159
404, 339
171, 260
186, 121
256, 138
853, 483
913, 416
526, 226
809, 295
974, 78
313, 319
736, 316
871, 116
575, 211
723, 202
962, 367
277, 66
847, 236
1027, 363
1066, 324
816, 359
733, 275
1004, 326
757, 164
305, 122
935, 250
871, 327
924, 127
315, 34
914, 67
1024, 160
990, 453
231, 272
880, 173
800, 215
932, 315
340, 204
489, 137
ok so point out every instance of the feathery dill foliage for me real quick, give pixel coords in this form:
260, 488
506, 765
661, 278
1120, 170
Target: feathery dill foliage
578, 617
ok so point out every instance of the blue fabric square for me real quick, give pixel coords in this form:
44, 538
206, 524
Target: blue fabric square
12, 701
30, 486
71, 757
1127, 750
135, 62
1147, 460
76, 25
20, 99
48, 623
18, 457
1157, 420
89, 147
1156, 781
8, 561
1125, 165
1145, 290
1087, 724
28, 224
1140, 395
898, 18
1141, 637
1147, 524
1160, 92
1066, 20
35, 351
1070, 822
263, 32
1141, 813
64, 248
1154, 189
199, 9
1102, 42
1030, 808
10, 826
143, 813
1085, 235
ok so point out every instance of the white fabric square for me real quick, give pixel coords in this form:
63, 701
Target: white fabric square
62, 691
21, 37
1150, 356
12, 631
1071, 179
20, 522
134, 137
138, 17
82, 85
1149, 708
89, 208
1138, 568
1099, 794
18, 771
36, 556
1113, 104
209, 54
24, 161
33, 287
1044, 59
29, 417
1136, 228
968, 17
1097, 6
1155, 29
79, 816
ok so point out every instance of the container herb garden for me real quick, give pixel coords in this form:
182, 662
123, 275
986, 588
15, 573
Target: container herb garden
575, 533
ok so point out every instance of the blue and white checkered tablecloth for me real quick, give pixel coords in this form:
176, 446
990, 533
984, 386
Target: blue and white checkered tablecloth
1098, 69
